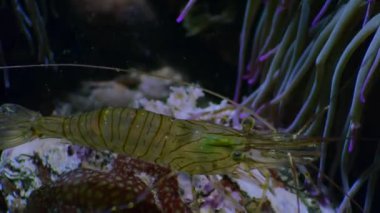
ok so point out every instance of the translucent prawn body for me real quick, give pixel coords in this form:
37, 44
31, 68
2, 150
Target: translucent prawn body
195, 147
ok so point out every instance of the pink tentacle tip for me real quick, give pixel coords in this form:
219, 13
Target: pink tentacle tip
351, 146
185, 11
354, 128
320, 13
180, 18
362, 98
268, 54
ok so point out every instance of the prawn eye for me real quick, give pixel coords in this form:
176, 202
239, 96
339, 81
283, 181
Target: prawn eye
237, 155
248, 124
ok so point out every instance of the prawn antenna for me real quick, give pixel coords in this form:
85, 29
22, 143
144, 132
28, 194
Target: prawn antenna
88, 66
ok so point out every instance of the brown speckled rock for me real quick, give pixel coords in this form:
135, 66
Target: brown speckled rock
122, 189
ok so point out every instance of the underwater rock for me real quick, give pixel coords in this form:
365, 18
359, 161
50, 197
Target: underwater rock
132, 185
90, 190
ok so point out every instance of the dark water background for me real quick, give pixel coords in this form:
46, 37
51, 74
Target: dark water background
133, 39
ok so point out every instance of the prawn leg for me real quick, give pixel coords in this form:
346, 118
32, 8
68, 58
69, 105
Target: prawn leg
265, 188
294, 173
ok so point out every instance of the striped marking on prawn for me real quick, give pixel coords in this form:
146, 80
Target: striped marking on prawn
100, 132
146, 132
140, 129
118, 125
194, 152
203, 162
188, 143
219, 130
81, 127
108, 119
222, 130
123, 131
155, 153
165, 138
70, 127
154, 138
89, 120
63, 127
177, 162
171, 156
111, 132
130, 122
136, 131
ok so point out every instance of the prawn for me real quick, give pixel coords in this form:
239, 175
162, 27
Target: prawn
192, 146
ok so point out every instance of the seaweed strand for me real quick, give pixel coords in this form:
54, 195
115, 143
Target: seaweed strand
350, 10
356, 109
358, 39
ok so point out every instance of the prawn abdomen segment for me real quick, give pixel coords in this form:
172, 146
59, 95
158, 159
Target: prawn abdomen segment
137, 133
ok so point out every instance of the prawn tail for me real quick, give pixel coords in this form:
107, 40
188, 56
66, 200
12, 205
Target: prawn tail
16, 125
